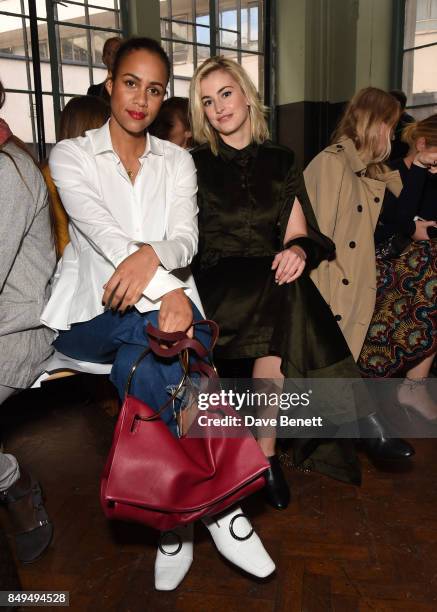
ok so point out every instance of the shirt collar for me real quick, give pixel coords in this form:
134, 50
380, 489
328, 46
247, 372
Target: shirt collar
101, 142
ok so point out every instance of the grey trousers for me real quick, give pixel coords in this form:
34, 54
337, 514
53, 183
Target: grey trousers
9, 470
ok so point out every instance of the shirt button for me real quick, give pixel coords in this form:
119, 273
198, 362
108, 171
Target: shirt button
376, 200
352, 244
345, 281
359, 208
337, 317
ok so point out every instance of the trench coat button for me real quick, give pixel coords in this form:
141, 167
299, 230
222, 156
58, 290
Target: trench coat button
337, 317
359, 208
345, 281
352, 244
377, 200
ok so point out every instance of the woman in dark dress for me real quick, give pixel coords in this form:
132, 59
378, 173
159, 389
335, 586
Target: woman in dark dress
402, 336
258, 240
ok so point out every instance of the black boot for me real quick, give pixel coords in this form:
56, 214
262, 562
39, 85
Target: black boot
276, 491
33, 529
378, 445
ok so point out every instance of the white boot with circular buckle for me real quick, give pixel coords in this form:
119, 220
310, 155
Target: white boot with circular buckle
236, 540
173, 558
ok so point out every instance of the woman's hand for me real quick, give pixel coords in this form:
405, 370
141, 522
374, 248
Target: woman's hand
421, 230
176, 313
131, 277
426, 159
289, 264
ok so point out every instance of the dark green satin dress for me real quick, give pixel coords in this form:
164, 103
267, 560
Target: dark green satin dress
245, 198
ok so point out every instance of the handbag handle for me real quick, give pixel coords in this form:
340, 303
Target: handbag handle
180, 341
180, 347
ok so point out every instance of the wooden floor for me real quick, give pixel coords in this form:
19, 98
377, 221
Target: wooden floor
337, 548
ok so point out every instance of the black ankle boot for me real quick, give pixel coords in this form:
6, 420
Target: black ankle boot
376, 443
276, 491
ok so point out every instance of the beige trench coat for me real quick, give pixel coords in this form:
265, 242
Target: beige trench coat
347, 205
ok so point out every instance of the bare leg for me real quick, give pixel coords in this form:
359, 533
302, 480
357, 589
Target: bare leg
268, 367
413, 391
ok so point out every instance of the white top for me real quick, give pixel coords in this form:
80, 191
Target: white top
110, 218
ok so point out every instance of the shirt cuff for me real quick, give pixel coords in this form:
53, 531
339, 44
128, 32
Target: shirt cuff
163, 282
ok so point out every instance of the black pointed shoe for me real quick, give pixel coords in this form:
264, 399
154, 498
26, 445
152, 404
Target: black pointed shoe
276, 491
378, 445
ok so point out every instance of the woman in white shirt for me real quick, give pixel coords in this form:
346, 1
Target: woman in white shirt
131, 200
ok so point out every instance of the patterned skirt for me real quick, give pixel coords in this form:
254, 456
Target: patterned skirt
403, 330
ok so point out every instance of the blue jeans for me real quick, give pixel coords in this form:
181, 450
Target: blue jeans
120, 339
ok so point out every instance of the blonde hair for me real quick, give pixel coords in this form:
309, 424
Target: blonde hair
362, 122
203, 132
427, 129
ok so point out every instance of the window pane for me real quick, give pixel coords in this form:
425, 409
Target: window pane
181, 88
418, 31
11, 36
229, 54
13, 73
203, 35
49, 119
105, 3
103, 19
420, 75
41, 8
16, 112
71, 12
14, 6
183, 59
182, 10
99, 75
252, 64
98, 39
228, 39
163, 8
74, 45
202, 54
251, 26
75, 79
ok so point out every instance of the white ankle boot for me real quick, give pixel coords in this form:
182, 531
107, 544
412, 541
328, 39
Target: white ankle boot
174, 557
238, 543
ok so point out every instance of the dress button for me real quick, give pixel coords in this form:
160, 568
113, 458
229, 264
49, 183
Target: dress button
337, 317
377, 200
359, 208
345, 281
352, 244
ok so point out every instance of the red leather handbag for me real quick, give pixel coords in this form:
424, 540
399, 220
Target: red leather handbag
155, 478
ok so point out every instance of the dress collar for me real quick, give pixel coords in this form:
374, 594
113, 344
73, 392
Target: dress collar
228, 153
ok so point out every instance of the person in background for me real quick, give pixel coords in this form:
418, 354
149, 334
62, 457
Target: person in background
110, 49
79, 115
402, 336
27, 261
173, 123
399, 148
346, 183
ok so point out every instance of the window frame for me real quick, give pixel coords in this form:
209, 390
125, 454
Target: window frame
30, 21
214, 40
399, 50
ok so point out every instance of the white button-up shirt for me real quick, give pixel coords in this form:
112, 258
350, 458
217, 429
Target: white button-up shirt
110, 218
